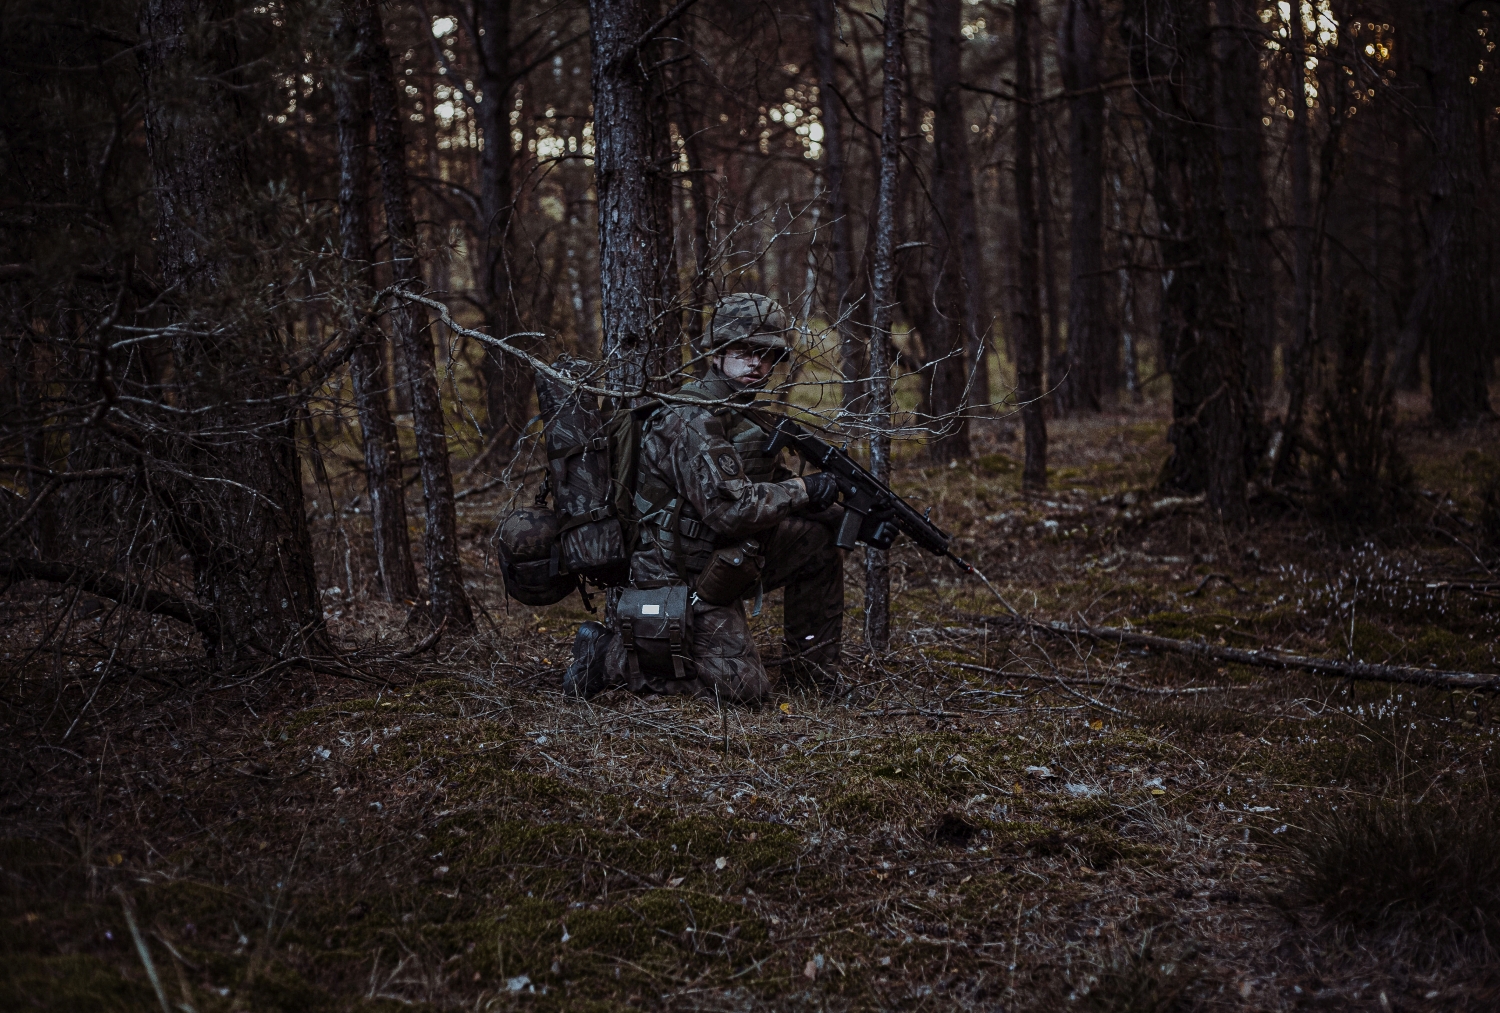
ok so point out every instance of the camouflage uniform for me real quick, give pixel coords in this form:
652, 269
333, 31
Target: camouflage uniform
704, 482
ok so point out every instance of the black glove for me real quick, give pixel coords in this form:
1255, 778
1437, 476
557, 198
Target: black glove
822, 490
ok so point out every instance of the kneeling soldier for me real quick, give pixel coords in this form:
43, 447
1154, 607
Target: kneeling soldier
713, 505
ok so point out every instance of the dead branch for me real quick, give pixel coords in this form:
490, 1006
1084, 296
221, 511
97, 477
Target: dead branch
136, 596
427, 643
1260, 659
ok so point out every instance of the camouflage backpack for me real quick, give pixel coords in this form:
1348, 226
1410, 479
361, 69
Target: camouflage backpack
591, 472
584, 453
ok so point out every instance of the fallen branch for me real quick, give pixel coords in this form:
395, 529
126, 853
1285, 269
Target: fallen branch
136, 596
1101, 683
1214, 576
427, 643
1259, 659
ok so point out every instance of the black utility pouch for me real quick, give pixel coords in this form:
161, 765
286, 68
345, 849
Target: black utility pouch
730, 573
656, 628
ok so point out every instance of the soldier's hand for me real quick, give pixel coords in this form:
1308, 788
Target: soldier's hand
822, 490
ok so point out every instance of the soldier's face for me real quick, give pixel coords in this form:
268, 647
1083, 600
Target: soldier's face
747, 365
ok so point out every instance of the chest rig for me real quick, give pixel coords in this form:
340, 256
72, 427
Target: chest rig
667, 519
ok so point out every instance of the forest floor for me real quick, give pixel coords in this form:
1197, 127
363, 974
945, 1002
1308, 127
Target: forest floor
976, 820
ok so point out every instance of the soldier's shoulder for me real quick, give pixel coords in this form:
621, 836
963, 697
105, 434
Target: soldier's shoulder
694, 416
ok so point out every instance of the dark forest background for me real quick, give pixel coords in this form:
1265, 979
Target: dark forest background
1179, 316
208, 205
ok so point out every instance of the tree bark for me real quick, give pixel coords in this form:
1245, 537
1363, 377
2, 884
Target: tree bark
1056, 365
632, 162
413, 337
882, 300
691, 125
31, 385
367, 367
1171, 56
840, 228
1457, 329
1025, 302
1298, 353
1091, 355
240, 515
507, 380
954, 344
1238, 45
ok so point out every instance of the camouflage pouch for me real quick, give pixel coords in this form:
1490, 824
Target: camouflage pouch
656, 630
528, 547
731, 572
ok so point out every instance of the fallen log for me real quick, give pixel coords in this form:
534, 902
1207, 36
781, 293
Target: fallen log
1259, 659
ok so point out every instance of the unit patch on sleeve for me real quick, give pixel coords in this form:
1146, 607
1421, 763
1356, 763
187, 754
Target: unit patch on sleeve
728, 464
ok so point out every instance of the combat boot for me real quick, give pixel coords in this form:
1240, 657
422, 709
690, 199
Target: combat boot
585, 676
811, 677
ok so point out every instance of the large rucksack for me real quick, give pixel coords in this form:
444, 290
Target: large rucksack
591, 466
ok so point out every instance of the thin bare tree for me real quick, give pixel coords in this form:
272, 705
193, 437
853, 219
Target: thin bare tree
1025, 301
447, 599
367, 363
882, 299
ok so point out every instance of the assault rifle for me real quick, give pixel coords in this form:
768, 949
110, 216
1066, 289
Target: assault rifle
873, 514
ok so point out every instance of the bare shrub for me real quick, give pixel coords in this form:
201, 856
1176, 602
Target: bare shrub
1359, 476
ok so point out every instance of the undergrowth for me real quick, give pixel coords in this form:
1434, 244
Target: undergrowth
1419, 873
978, 821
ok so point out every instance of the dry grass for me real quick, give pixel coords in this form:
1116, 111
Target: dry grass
1422, 873
971, 823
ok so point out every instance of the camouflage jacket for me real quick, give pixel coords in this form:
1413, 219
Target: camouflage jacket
703, 481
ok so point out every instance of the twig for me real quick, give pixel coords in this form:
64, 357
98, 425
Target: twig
36, 504
1214, 576
477, 490
427, 643
140, 947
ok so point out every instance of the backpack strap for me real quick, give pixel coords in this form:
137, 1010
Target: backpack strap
598, 513
598, 444
667, 515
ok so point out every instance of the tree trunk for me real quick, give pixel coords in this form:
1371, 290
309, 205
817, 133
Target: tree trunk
1091, 355
240, 515
953, 342
1238, 45
31, 390
1056, 365
367, 368
1170, 55
1457, 331
632, 163
507, 380
690, 123
413, 337
840, 229
882, 300
1025, 302
1297, 357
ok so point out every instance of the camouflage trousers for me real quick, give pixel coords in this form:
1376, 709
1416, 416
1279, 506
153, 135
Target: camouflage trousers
800, 557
